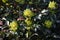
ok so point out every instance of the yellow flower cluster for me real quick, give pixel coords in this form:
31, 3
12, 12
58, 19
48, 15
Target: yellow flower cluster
4, 1
28, 13
52, 5
28, 21
13, 26
48, 23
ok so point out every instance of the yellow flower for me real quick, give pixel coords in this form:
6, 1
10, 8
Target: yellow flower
7, 3
28, 28
48, 23
4, 1
28, 21
52, 5
13, 26
28, 13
